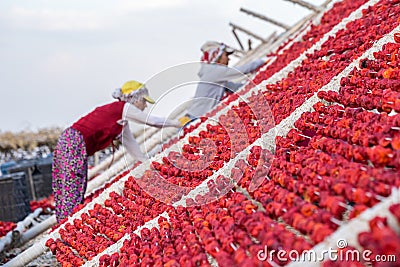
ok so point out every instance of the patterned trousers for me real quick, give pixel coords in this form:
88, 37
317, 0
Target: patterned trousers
69, 172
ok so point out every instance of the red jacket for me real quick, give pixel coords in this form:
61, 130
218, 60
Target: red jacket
100, 127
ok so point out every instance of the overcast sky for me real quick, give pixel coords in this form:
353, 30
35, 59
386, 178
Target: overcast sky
61, 58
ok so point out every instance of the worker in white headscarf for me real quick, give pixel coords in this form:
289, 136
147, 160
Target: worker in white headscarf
216, 78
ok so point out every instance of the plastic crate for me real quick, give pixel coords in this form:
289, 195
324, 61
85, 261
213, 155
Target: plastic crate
38, 176
28, 167
43, 171
14, 200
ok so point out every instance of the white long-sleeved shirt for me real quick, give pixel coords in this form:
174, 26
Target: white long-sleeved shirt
132, 113
214, 80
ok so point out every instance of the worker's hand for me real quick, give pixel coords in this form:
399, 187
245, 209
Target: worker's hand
265, 59
183, 120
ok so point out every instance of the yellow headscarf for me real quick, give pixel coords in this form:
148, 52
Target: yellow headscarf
132, 91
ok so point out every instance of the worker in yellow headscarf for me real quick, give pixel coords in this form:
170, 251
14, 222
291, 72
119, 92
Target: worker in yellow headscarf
94, 132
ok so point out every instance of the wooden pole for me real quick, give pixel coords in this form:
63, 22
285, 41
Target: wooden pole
306, 5
236, 27
31, 184
237, 38
257, 15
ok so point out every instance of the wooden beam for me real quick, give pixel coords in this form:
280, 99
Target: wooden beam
306, 5
237, 38
236, 27
257, 15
